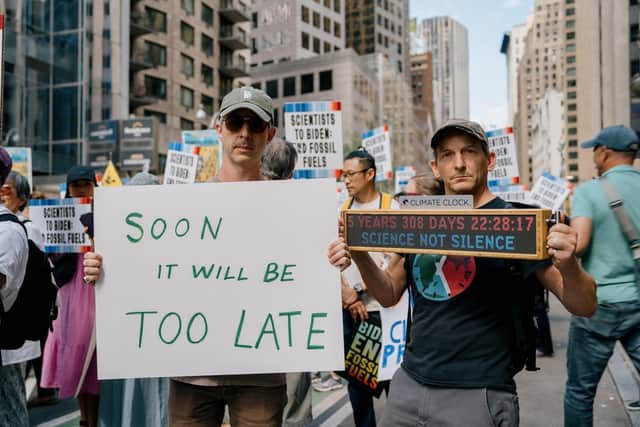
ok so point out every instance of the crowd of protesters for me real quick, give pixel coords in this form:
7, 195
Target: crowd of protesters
462, 346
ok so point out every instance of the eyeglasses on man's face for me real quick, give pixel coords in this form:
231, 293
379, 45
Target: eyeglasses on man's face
349, 175
235, 122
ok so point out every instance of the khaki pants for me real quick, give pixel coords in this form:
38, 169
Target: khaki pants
249, 406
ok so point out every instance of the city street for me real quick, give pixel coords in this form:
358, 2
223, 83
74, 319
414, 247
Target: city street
541, 393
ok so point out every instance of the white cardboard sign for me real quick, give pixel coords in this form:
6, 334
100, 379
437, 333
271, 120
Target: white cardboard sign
394, 337
59, 220
549, 192
237, 282
378, 143
502, 142
181, 167
315, 128
403, 175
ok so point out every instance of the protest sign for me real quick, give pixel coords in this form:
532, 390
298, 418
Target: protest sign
495, 233
181, 167
21, 158
511, 193
506, 172
224, 278
110, 178
362, 354
203, 138
59, 220
394, 337
315, 128
378, 143
403, 175
209, 158
464, 201
549, 192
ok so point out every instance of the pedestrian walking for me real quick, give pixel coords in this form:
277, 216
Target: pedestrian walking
602, 209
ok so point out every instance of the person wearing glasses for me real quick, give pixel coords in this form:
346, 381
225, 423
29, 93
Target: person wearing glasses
244, 127
359, 175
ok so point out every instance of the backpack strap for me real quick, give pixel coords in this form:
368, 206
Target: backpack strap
385, 200
347, 203
12, 218
616, 204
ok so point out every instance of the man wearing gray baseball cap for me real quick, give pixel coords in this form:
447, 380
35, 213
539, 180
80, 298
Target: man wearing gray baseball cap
244, 126
465, 346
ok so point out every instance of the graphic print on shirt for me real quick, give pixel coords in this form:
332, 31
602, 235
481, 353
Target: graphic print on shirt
440, 278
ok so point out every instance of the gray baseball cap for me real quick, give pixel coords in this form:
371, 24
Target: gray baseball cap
248, 97
472, 129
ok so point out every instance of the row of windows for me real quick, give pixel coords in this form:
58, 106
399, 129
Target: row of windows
317, 43
156, 87
307, 84
308, 16
206, 12
327, 3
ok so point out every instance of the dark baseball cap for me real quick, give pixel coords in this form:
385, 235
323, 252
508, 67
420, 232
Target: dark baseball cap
248, 97
79, 173
618, 137
5, 164
472, 129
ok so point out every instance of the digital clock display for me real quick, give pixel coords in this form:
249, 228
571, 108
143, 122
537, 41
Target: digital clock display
492, 233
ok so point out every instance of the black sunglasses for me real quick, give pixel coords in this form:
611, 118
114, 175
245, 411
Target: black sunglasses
235, 122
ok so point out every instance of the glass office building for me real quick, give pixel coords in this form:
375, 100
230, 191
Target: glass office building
48, 78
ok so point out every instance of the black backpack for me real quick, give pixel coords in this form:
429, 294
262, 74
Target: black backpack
33, 312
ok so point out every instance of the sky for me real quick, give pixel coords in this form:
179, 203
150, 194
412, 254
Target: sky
486, 22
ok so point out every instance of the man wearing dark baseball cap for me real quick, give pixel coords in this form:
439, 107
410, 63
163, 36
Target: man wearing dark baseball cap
606, 255
463, 351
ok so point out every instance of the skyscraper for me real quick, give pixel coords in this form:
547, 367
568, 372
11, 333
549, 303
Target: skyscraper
597, 87
380, 26
286, 31
447, 40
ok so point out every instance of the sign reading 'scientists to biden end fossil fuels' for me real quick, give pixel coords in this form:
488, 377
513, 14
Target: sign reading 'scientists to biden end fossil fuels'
217, 279
518, 233
315, 128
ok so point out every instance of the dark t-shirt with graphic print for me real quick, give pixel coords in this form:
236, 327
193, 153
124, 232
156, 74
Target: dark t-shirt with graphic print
462, 335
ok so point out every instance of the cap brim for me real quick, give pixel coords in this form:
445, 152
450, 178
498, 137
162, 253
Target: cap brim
253, 107
435, 139
589, 144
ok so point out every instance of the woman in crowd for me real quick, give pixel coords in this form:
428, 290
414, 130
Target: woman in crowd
69, 361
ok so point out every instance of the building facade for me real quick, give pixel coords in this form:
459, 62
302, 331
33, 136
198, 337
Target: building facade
380, 26
513, 46
295, 29
541, 68
422, 91
408, 140
597, 86
447, 40
337, 76
547, 135
73, 62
